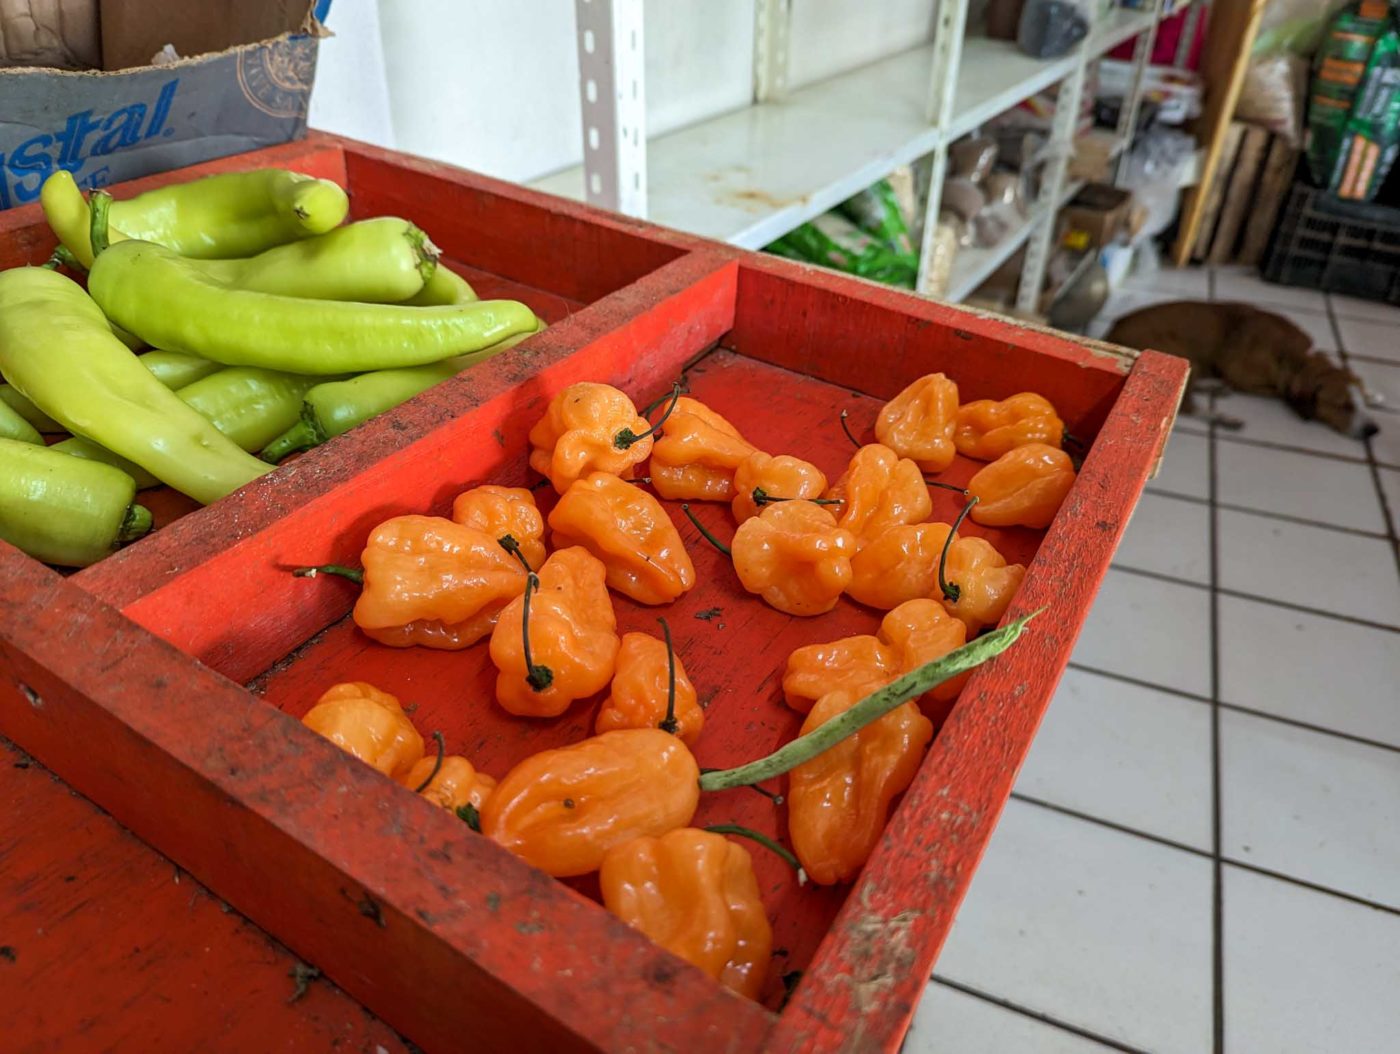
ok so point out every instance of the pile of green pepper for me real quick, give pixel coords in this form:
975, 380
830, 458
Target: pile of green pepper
273, 326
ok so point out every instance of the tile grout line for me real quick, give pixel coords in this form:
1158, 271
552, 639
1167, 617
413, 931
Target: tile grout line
1370, 448
1035, 1015
1228, 861
1263, 715
1269, 444
1238, 594
1218, 870
1269, 515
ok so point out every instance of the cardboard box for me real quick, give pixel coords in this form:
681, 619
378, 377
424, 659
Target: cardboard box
118, 124
1096, 216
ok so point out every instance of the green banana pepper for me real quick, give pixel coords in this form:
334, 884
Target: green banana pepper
14, 426
77, 446
169, 302
63, 510
443, 288
215, 218
173, 369
58, 351
379, 261
250, 406
335, 407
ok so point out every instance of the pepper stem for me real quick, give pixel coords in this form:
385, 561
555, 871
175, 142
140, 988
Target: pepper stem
135, 524
624, 439
100, 204
352, 574
762, 497
776, 799
537, 677
946, 486
63, 257
951, 590
466, 812
510, 545
437, 765
669, 722
874, 706
683, 384
763, 840
424, 251
705, 533
847, 429
303, 435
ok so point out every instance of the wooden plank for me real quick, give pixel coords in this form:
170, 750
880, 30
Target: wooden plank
105, 933
1215, 197
1274, 184
1224, 59
1240, 196
872, 968
443, 933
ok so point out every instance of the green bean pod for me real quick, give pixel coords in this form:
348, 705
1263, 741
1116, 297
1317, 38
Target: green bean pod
57, 349
77, 446
335, 407
378, 261
219, 217
170, 303
63, 510
13, 426
443, 288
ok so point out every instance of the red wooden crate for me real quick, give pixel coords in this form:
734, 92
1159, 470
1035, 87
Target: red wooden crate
434, 928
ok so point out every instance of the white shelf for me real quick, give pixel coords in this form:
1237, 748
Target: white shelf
972, 267
751, 176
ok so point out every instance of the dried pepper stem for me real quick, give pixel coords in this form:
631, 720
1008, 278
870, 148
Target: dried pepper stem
847, 429
951, 590
946, 486
624, 439
538, 677
873, 707
437, 765
762, 839
705, 533
762, 497
669, 722
351, 574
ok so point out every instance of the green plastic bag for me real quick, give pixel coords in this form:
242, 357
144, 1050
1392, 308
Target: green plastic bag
1354, 108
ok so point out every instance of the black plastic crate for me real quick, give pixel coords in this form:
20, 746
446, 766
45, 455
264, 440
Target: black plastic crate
1322, 242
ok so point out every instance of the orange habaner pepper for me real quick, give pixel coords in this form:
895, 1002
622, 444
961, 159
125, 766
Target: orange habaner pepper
455, 784
562, 810
651, 690
838, 801
920, 631
697, 454
858, 664
1024, 487
918, 423
880, 489
977, 583
987, 429
795, 557
898, 564
368, 723
558, 641
628, 530
429, 581
694, 893
778, 477
587, 428
499, 511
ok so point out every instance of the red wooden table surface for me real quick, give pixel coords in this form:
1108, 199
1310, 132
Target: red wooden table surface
105, 945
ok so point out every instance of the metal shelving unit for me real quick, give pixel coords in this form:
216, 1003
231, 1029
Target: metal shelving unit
750, 176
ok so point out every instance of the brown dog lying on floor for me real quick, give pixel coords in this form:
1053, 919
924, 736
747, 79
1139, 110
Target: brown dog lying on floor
1251, 351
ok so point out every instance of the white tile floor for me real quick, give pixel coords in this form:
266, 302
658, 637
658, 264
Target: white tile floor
1202, 853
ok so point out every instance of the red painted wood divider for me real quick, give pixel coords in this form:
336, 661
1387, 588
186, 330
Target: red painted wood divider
125, 678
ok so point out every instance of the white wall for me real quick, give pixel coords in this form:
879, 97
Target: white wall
351, 94
493, 85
